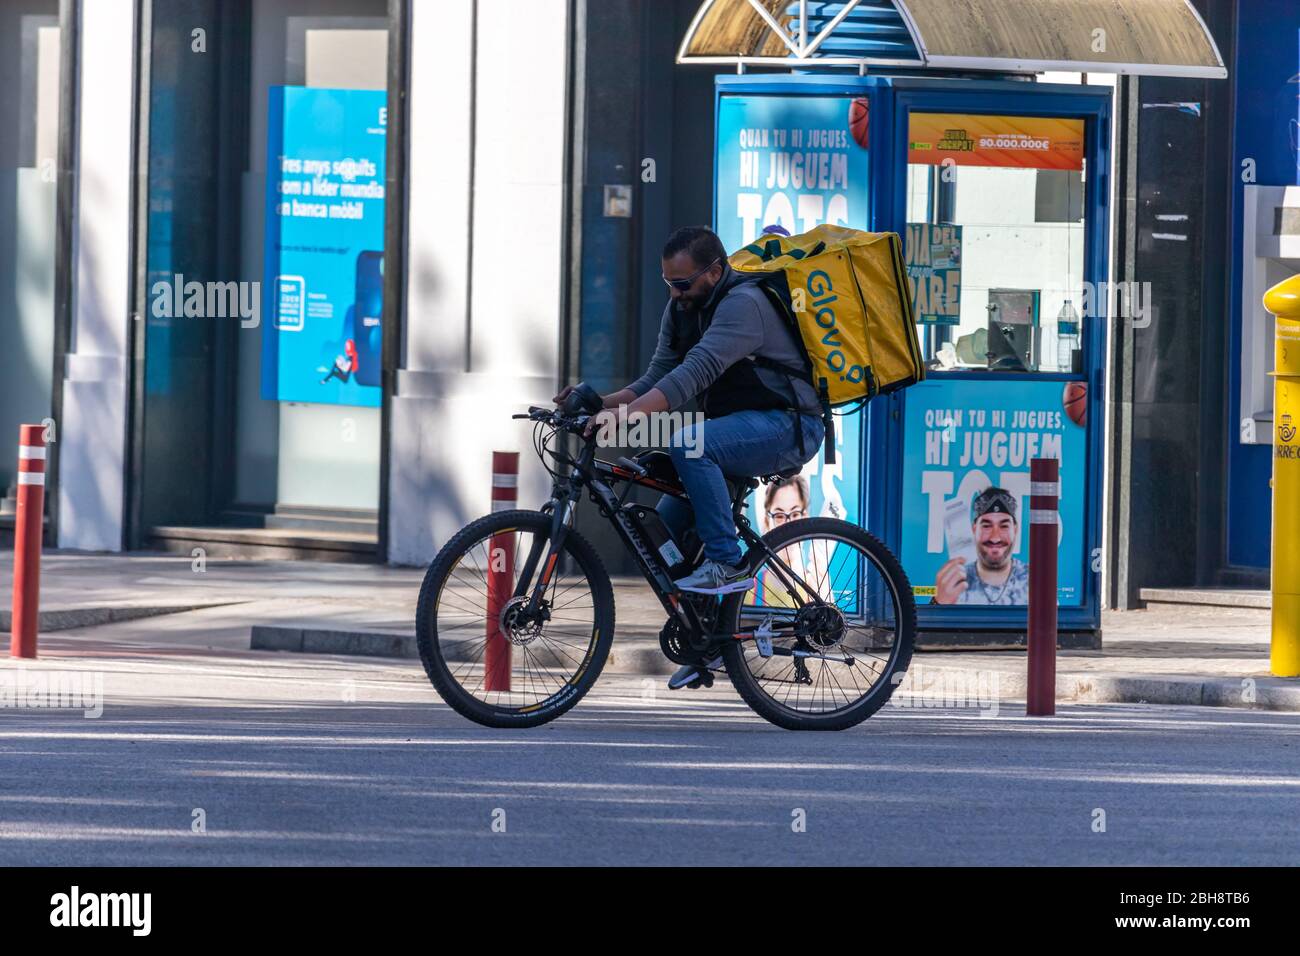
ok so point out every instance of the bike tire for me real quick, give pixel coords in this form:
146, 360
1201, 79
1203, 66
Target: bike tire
733, 653
431, 653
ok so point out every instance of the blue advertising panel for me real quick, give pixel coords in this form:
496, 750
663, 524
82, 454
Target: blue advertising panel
793, 161
963, 542
323, 273
797, 162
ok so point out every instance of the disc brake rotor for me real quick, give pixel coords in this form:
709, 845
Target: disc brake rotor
519, 629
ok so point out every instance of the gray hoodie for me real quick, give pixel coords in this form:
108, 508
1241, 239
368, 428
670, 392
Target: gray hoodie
745, 323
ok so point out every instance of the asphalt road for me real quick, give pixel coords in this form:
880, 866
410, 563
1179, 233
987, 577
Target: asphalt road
298, 760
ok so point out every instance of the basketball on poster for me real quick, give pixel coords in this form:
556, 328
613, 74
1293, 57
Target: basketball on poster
966, 487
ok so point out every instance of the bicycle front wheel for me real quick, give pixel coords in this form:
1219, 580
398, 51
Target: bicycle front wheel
490, 657
841, 644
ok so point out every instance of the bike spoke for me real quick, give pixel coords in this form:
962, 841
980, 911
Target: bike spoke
543, 660
845, 577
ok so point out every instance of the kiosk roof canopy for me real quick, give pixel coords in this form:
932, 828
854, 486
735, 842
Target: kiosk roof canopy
1153, 37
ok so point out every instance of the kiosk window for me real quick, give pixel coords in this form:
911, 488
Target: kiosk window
995, 240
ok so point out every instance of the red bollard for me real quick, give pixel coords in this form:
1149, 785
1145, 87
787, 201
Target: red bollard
1044, 496
500, 572
29, 527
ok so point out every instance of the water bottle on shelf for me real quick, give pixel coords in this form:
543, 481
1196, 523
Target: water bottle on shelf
1067, 336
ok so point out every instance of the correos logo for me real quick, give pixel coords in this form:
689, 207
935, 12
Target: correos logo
822, 295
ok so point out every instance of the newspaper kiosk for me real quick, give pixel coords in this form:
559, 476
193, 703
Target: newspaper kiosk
1000, 190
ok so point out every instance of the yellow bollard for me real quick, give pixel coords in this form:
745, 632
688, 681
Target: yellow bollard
1283, 300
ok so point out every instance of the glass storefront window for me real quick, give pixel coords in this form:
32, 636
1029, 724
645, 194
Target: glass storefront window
29, 119
995, 240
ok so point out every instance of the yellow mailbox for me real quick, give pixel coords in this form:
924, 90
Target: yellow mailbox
1283, 300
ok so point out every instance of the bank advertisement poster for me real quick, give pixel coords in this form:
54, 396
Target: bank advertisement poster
797, 162
1018, 142
934, 272
966, 455
323, 275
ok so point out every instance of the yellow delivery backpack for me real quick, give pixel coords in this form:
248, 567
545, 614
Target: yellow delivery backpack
846, 294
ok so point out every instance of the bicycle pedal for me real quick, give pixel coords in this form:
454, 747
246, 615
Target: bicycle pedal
704, 680
763, 638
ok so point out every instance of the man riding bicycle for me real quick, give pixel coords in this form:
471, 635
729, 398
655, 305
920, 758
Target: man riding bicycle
721, 339
516, 614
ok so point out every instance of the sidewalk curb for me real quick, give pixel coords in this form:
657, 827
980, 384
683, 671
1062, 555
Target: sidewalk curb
1269, 693
66, 619
638, 653
311, 640
632, 654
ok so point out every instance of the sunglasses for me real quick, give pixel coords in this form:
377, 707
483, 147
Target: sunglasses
684, 285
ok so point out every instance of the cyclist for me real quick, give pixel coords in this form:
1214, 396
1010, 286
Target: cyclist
722, 340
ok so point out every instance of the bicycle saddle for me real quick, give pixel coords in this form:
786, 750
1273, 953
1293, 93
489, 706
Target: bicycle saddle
751, 482
781, 475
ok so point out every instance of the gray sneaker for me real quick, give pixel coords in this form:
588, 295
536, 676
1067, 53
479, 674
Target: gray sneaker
695, 675
713, 577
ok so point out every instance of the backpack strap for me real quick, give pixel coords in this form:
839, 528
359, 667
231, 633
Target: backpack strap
805, 372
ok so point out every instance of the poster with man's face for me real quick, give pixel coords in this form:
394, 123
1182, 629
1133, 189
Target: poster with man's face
966, 488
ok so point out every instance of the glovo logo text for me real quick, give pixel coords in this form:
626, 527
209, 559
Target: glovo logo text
822, 295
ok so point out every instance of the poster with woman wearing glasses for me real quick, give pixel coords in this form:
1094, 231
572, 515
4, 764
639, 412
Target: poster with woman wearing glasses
779, 503
819, 491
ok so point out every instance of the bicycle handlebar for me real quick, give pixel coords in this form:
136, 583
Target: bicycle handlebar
556, 419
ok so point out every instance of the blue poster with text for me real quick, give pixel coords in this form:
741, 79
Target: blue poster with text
966, 455
322, 288
793, 161
797, 162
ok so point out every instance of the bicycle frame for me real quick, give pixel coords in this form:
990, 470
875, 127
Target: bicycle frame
599, 478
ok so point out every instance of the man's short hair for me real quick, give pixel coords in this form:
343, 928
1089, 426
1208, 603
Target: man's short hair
700, 242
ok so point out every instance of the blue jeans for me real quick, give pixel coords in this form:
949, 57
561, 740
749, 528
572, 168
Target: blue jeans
741, 445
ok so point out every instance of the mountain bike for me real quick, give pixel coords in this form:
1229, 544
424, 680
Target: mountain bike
516, 613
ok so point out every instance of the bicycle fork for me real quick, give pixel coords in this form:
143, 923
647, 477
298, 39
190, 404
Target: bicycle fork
562, 512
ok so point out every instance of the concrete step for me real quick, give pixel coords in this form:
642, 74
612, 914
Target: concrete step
1212, 597
368, 526
266, 543
303, 518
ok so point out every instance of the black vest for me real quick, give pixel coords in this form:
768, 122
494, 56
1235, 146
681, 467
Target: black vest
739, 388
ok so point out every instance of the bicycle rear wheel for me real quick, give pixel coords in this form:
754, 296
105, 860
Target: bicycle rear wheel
484, 656
848, 650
